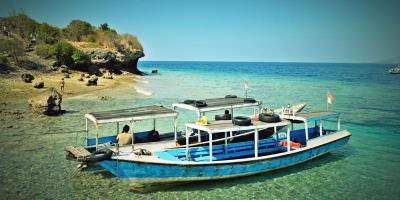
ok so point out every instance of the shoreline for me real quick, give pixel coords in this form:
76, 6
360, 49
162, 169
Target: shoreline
13, 89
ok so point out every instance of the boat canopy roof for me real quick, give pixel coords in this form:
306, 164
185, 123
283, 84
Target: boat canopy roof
131, 114
218, 104
226, 126
312, 116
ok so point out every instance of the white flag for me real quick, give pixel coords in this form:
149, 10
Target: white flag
329, 97
246, 84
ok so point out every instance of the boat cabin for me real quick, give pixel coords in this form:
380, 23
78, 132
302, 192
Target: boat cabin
280, 142
129, 115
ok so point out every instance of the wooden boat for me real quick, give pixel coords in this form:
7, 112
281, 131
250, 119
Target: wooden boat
163, 162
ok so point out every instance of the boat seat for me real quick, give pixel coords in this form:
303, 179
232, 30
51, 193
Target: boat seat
166, 156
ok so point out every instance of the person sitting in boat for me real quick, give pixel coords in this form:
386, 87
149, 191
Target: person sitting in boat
225, 116
124, 138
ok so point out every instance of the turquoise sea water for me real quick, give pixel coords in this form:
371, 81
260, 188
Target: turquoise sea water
367, 168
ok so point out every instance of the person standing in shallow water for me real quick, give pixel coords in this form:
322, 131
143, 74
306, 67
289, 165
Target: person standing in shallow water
62, 83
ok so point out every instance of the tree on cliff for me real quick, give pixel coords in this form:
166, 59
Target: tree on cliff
77, 29
48, 34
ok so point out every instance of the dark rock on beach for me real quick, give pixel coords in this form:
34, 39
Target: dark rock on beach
48, 103
81, 77
108, 75
38, 84
64, 69
92, 81
27, 78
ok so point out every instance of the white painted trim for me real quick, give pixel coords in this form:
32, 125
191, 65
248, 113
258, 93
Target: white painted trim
140, 118
313, 143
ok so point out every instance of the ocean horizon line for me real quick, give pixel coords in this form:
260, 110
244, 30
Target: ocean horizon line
211, 61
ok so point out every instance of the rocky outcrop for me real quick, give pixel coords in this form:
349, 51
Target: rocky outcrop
115, 61
81, 77
108, 75
48, 103
27, 78
92, 81
64, 69
38, 84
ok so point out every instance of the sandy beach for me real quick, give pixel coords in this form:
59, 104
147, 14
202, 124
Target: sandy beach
14, 89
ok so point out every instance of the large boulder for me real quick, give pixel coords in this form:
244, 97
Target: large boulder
64, 69
38, 84
108, 75
47, 103
27, 78
92, 81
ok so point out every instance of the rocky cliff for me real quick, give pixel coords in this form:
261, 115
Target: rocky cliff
79, 46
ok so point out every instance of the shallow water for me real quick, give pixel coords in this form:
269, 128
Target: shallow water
33, 162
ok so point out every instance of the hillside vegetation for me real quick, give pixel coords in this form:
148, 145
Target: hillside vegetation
76, 45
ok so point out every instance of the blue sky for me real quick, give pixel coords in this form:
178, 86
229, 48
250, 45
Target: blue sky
270, 31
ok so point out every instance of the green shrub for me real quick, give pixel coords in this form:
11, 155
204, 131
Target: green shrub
43, 50
77, 29
48, 34
3, 60
22, 25
62, 51
80, 57
91, 38
106, 28
13, 47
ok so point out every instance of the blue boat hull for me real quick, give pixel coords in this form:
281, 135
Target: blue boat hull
142, 173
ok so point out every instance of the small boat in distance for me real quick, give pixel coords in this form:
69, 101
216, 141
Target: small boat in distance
395, 70
163, 161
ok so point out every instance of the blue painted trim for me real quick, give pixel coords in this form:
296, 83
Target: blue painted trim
143, 172
234, 150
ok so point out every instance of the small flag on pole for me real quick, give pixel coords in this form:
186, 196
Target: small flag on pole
246, 84
329, 97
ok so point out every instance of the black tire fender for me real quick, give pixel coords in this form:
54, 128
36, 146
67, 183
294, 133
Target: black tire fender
269, 118
223, 117
242, 121
229, 96
200, 103
249, 100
